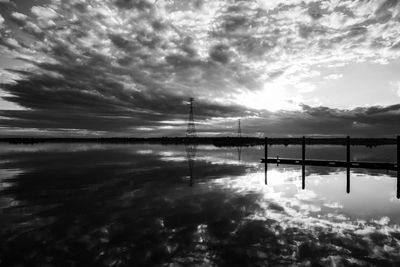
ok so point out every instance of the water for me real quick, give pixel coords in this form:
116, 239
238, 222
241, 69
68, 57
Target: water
131, 205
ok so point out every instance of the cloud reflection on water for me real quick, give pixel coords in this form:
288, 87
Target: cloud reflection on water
130, 205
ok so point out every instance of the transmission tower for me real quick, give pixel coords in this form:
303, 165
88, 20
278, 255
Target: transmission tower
191, 129
239, 134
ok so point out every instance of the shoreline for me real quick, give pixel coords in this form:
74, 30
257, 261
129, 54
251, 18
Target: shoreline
217, 141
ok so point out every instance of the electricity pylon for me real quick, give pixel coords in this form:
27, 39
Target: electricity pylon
191, 129
239, 134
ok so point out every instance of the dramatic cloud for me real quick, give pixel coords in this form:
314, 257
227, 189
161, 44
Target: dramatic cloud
19, 18
121, 66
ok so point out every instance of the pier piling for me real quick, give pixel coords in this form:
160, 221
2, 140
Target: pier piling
266, 156
348, 164
398, 166
303, 159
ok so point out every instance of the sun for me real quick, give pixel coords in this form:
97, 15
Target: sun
272, 97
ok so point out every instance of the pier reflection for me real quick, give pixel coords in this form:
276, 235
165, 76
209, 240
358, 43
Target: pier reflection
348, 164
348, 176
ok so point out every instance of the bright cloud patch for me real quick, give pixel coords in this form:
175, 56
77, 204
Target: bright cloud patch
396, 87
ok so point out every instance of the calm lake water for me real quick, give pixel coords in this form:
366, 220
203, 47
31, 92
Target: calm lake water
132, 205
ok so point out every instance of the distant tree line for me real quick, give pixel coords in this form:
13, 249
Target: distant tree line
217, 141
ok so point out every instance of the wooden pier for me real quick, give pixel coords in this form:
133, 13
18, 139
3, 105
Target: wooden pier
348, 164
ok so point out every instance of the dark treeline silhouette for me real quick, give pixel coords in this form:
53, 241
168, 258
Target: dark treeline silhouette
217, 141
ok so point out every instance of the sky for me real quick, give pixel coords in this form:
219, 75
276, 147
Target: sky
128, 67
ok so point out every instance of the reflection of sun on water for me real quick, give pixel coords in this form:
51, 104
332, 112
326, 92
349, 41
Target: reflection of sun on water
255, 182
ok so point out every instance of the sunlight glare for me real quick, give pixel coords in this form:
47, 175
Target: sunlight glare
273, 97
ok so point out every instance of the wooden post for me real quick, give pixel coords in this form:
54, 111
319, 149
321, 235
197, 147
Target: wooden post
348, 150
348, 164
303, 158
266, 148
398, 167
266, 158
